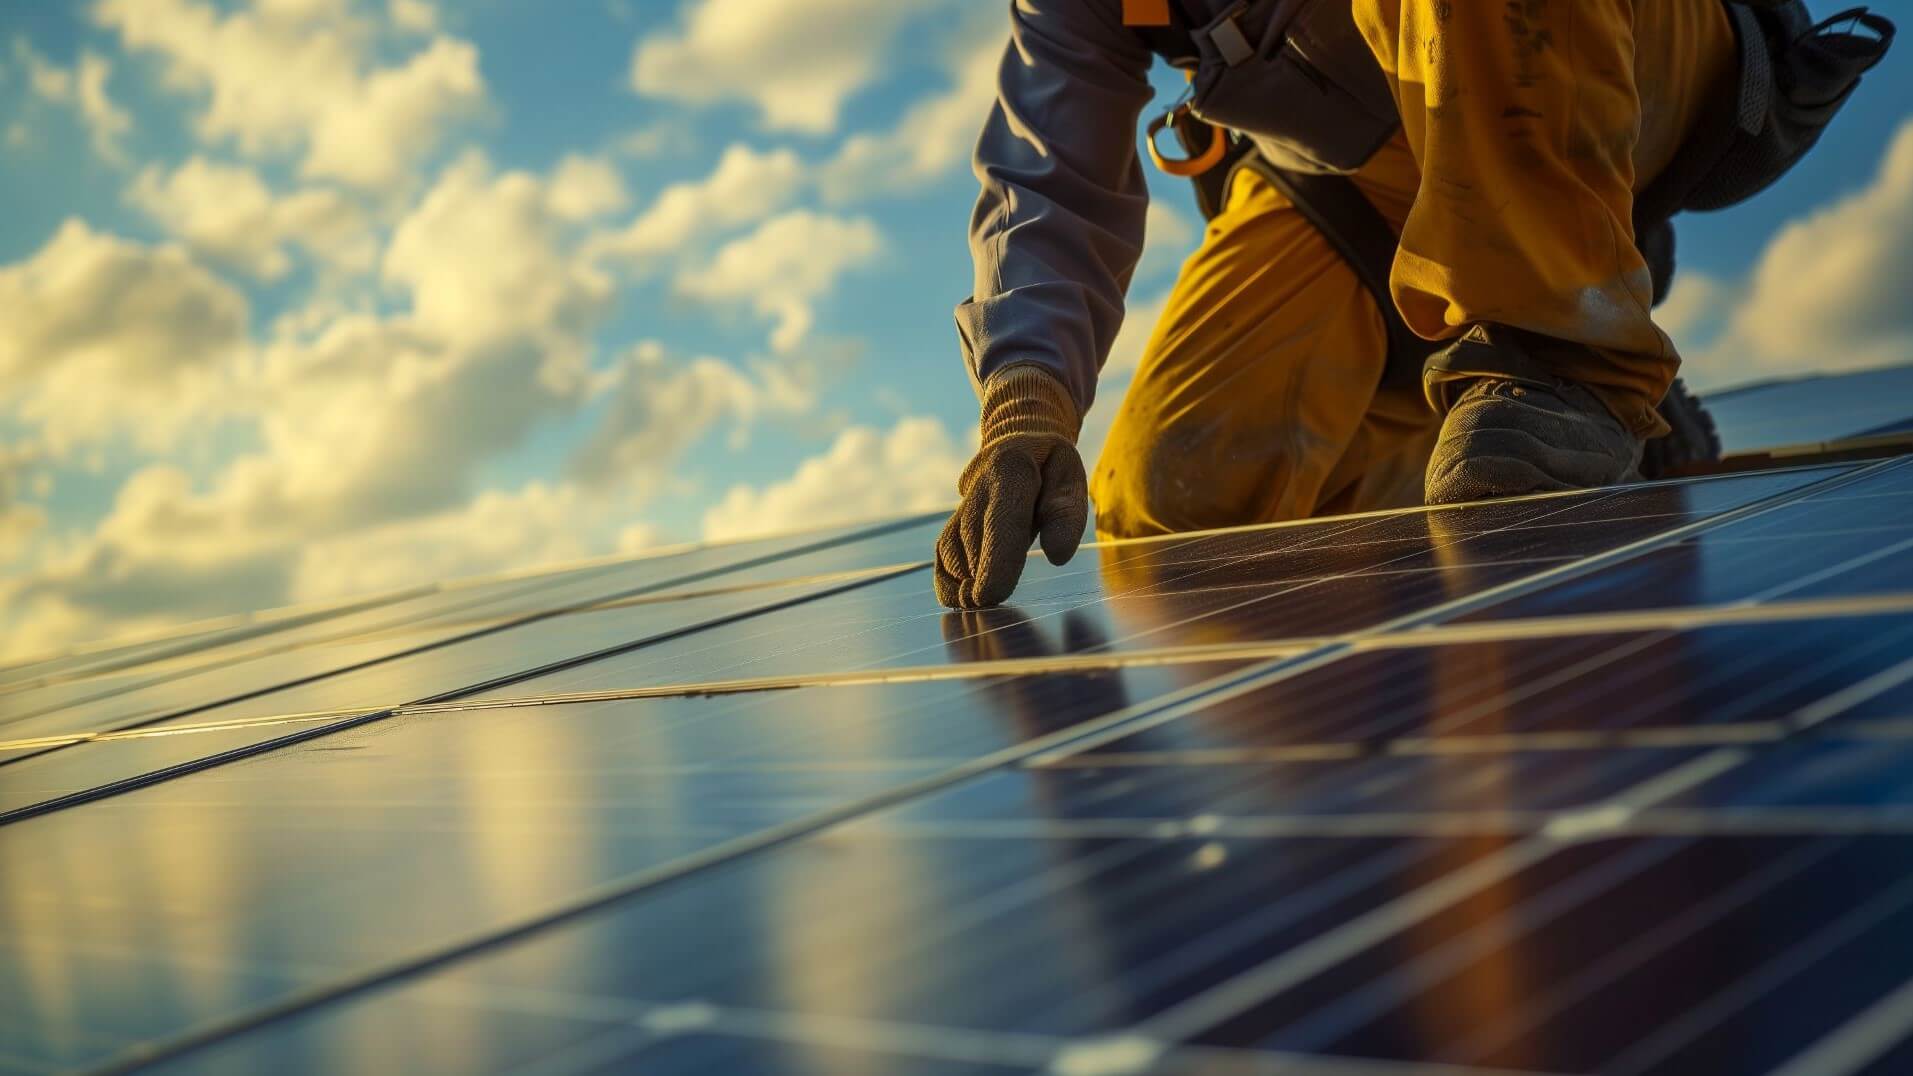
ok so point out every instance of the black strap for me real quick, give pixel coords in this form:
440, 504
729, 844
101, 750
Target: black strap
1366, 241
1337, 208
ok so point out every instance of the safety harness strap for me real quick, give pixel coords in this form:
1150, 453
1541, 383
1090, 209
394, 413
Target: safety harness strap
1365, 240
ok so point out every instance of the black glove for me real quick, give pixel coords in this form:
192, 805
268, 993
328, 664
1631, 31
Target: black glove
1025, 481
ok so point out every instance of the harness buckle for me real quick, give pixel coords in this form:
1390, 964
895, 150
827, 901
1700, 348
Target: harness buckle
1180, 120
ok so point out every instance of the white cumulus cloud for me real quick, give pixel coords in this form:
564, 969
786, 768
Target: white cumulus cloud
486, 255
303, 77
374, 429
794, 60
1828, 293
745, 187
228, 212
82, 88
583, 188
655, 406
784, 266
106, 337
933, 137
866, 474
540, 523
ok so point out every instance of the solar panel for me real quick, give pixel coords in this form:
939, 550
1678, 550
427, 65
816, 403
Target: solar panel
1611, 781
1812, 410
343, 646
1843, 542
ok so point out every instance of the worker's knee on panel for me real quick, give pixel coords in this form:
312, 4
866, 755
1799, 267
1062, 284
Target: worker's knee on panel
1183, 474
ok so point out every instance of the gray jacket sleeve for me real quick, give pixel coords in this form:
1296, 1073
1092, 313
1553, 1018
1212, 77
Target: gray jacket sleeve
1059, 225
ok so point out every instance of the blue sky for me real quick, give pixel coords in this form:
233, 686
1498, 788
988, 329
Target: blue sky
314, 297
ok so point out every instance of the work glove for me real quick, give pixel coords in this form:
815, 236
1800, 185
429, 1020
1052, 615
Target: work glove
1025, 481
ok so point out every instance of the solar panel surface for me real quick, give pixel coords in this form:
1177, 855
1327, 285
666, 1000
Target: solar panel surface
1813, 409
1615, 781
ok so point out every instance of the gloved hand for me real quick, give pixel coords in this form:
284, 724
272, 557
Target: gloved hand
1025, 481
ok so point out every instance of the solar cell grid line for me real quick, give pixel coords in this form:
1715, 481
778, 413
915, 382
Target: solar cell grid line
1032, 598
1576, 625
76, 657
363, 665
261, 676
1518, 789
1226, 1001
111, 658
1811, 410
1741, 988
1492, 596
1334, 885
1855, 540
944, 627
1348, 585
433, 674
758, 838
1874, 1041
302, 735
1744, 682
769, 741
1820, 940
423, 607
1014, 877
1431, 636
778, 728
433, 959
603, 1035
977, 670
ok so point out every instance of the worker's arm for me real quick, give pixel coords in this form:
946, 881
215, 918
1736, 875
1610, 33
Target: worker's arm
1055, 237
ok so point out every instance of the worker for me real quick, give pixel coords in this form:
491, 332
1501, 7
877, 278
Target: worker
1512, 149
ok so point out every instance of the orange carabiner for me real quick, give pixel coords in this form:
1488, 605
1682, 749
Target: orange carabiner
1185, 166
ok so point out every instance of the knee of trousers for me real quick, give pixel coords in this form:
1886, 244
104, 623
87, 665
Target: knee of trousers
1185, 476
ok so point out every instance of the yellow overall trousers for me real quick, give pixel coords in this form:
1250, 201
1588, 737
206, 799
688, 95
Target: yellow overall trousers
1527, 128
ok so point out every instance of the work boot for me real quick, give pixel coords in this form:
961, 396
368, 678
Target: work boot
1514, 428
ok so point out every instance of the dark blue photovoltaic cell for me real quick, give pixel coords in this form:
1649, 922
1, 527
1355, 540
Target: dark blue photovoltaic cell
60, 771
436, 614
1657, 956
410, 678
90, 765
426, 1037
1814, 773
1230, 589
1416, 786
438, 1037
215, 640
1813, 409
1893, 702
1853, 540
332, 646
1462, 833
1896, 1061
1056, 937
212, 893
1752, 674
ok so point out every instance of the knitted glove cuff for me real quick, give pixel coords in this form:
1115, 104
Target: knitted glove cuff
1027, 399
